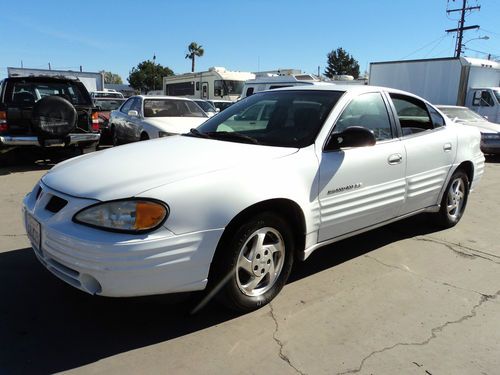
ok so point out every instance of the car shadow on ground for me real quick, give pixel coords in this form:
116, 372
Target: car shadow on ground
47, 326
492, 158
32, 159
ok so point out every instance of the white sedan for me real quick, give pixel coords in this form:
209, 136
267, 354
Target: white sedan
145, 117
230, 210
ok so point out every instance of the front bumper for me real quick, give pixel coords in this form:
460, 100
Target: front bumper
71, 139
116, 264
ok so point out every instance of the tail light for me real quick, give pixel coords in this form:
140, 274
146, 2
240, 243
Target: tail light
95, 121
3, 122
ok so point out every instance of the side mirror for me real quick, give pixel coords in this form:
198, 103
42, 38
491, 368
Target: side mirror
133, 113
353, 136
217, 110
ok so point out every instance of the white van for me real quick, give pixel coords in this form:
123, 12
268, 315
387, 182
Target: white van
278, 81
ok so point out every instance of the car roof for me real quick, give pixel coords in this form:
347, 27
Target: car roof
450, 106
355, 89
161, 97
42, 79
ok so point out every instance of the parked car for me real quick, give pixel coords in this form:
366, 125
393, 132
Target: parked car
105, 106
208, 108
106, 94
46, 112
490, 132
145, 117
221, 104
231, 211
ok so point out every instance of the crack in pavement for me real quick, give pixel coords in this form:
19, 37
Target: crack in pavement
458, 252
438, 240
483, 299
282, 355
423, 277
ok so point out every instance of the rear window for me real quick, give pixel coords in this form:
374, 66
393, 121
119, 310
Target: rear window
108, 104
171, 108
28, 93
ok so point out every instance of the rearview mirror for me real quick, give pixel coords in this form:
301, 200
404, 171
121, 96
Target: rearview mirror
133, 113
353, 136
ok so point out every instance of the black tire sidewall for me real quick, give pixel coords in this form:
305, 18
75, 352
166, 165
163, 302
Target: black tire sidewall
230, 293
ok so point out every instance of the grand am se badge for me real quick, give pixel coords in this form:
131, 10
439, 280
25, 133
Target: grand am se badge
345, 188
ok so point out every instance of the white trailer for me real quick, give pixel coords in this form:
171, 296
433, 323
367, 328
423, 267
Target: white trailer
91, 80
215, 83
463, 81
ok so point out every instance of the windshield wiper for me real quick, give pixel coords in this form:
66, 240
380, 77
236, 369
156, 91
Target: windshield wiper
193, 132
233, 136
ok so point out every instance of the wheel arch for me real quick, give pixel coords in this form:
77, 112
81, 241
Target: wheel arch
290, 211
468, 167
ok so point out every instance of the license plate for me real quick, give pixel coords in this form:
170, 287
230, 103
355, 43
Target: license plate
33, 229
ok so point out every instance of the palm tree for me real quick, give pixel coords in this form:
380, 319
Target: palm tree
194, 50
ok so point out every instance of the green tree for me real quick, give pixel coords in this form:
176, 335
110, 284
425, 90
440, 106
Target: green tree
194, 50
148, 75
111, 77
340, 63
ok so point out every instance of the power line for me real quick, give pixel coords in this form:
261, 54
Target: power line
425, 46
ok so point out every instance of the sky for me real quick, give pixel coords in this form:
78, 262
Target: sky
241, 35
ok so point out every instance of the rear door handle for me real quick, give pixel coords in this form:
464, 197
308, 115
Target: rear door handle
447, 147
395, 159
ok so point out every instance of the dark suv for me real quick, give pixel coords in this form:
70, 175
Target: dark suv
46, 111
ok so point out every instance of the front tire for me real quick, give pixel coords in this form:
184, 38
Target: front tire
454, 200
255, 262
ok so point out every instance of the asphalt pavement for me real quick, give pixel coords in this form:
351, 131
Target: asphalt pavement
402, 299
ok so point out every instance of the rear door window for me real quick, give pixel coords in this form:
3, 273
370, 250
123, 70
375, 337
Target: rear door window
413, 114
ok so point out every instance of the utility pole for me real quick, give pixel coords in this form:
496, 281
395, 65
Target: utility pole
460, 29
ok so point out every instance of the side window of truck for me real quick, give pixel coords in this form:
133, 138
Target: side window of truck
482, 99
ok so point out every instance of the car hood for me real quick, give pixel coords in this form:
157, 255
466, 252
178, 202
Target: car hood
128, 170
483, 126
177, 125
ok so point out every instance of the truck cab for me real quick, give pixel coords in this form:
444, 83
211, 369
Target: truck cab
486, 102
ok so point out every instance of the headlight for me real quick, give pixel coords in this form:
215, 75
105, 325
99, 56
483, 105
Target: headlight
490, 135
164, 134
129, 216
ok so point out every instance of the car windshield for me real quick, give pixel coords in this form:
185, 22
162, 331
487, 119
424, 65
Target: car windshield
107, 95
222, 105
207, 107
461, 114
497, 95
31, 92
284, 119
171, 108
108, 104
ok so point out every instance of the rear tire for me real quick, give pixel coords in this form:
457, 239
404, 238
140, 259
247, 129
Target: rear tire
114, 137
454, 200
254, 262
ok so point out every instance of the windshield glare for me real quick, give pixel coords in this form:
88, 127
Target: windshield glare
285, 118
109, 105
171, 108
462, 114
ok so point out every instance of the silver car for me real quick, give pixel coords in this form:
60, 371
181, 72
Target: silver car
490, 132
145, 117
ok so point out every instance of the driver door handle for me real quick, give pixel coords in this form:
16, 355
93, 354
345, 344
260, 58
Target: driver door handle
394, 159
447, 147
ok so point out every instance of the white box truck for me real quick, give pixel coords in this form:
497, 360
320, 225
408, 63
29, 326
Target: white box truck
463, 81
